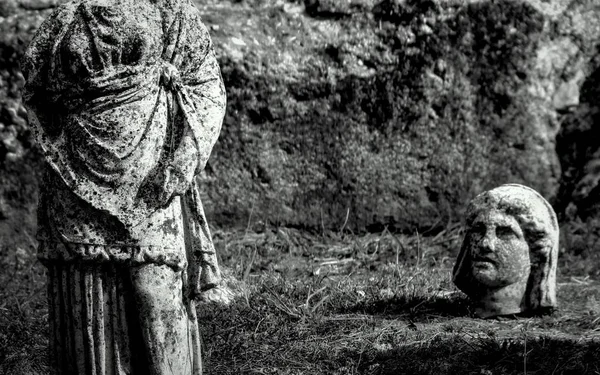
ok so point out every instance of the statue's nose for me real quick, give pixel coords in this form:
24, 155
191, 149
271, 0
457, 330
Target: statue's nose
487, 245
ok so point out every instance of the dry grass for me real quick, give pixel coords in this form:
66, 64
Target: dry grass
383, 304
339, 303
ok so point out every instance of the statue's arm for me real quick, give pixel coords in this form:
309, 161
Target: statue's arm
209, 101
202, 103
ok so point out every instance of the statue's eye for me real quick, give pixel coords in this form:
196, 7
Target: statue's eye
505, 231
478, 229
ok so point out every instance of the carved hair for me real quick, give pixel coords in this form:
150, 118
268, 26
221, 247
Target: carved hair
540, 230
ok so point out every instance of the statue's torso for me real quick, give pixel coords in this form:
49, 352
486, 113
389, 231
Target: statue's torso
114, 129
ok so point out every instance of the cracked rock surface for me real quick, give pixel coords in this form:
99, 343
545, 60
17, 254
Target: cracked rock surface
378, 113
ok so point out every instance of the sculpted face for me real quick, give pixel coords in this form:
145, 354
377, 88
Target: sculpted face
507, 262
497, 250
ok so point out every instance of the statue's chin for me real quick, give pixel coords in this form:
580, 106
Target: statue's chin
486, 274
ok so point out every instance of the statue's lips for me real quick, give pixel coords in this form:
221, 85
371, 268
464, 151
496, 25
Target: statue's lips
481, 259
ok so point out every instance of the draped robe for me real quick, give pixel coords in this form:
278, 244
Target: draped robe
122, 96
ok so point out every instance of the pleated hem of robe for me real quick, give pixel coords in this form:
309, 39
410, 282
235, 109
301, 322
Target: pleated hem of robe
55, 251
94, 323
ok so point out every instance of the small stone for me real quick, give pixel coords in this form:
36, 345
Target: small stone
221, 295
15, 118
294, 9
237, 41
22, 111
10, 143
14, 156
425, 30
440, 67
566, 96
405, 35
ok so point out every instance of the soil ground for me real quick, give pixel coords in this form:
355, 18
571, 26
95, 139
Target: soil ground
340, 303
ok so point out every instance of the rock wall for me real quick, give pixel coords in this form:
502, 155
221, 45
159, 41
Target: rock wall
363, 114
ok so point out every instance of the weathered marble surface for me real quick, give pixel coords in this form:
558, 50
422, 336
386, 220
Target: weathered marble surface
126, 100
507, 263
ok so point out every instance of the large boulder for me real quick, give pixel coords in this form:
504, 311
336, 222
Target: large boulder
393, 113
364, 114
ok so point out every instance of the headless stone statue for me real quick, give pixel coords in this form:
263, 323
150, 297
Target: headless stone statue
126, 100
507, 263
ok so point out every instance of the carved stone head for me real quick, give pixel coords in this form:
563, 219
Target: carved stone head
507, 262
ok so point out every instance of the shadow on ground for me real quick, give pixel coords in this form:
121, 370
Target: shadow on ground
457, 354
415, 308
